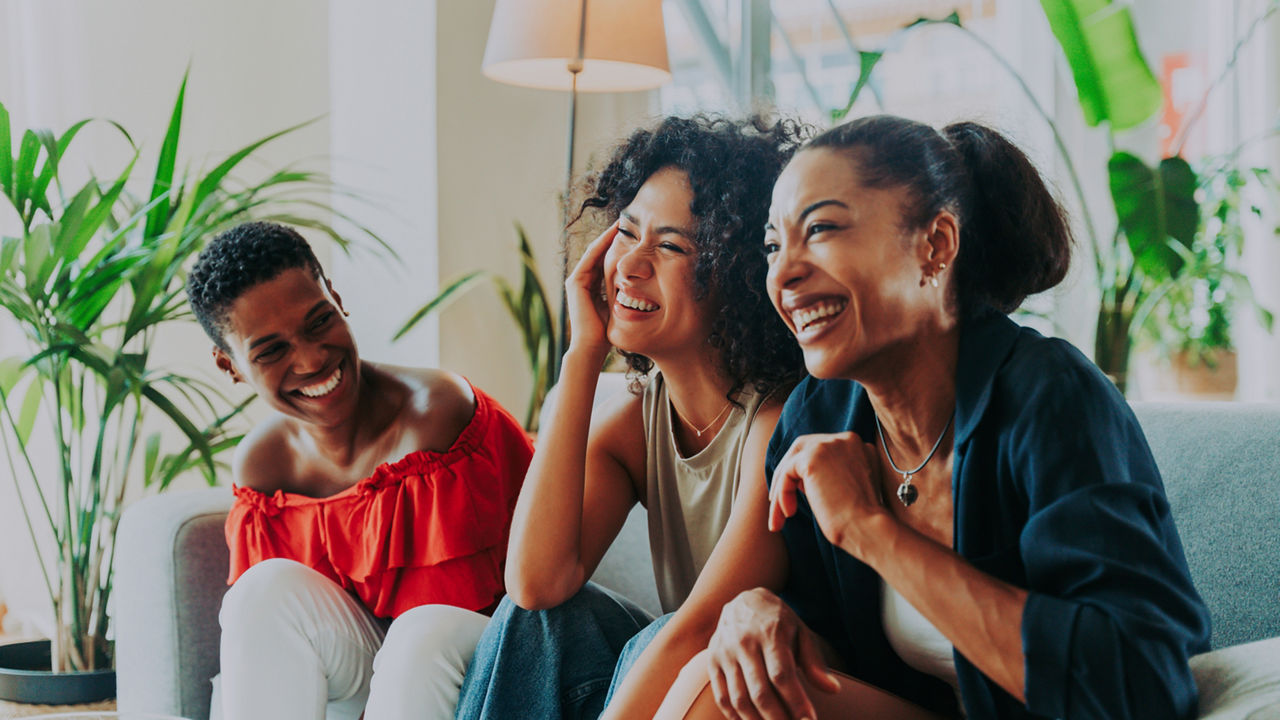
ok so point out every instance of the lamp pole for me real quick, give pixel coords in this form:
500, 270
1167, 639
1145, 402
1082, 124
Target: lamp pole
575, 67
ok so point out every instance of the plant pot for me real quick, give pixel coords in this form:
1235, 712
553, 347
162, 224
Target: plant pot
1185, 375
25, 677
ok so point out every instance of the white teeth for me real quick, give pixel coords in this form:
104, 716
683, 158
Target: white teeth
627, 301
324, 388
814, 314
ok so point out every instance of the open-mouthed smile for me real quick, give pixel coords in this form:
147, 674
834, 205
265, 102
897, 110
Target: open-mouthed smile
324, 387
634, 303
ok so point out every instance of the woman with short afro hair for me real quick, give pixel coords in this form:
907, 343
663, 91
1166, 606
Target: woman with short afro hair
676, 283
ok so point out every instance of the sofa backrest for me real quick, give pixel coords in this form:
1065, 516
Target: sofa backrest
1221, 468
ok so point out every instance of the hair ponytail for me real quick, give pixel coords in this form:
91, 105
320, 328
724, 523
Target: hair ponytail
1014, 240
1014, 237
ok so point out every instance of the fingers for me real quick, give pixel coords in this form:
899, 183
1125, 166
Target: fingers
813, 666
741, 694
783, 682
589, 265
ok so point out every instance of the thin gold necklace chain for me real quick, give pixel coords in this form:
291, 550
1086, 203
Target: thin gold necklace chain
706, 427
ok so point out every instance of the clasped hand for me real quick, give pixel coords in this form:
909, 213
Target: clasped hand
840, 477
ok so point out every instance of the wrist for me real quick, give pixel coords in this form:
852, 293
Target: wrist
867, 537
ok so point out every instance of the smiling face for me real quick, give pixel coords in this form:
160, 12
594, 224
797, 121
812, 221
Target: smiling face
844, 273
290, 343
649, 272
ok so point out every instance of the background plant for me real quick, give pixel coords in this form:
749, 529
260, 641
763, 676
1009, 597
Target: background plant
91, 280
1157, 210
527, 306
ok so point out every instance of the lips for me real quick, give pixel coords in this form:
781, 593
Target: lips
324, 387
634, 303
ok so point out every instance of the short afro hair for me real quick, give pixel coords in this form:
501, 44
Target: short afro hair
238, 259
731, 165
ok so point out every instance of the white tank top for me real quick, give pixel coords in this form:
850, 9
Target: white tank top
915, 639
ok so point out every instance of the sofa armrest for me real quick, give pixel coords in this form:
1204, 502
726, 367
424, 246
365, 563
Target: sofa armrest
171, 571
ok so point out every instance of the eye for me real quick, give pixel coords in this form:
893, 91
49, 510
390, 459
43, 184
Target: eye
271, 354
320, 322
672, 247
818, 227
630, 234
771, 248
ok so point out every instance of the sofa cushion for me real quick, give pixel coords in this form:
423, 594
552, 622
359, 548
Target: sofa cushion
1239, 682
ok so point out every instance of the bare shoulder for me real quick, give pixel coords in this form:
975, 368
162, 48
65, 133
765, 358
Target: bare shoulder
265, 460
763, 424
439, 406
617, 428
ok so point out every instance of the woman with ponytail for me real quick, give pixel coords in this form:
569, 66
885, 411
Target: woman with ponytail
968, 514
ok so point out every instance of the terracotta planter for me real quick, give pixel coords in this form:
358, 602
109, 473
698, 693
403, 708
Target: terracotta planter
1184, 375
25, 678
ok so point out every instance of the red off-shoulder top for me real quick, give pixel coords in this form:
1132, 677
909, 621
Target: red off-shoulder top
430, 528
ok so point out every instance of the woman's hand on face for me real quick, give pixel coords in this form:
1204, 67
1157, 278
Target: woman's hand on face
840, 476
588, 309
758, 655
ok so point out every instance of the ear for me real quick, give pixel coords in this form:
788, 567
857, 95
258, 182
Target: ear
942, 241
226, 364
337, 299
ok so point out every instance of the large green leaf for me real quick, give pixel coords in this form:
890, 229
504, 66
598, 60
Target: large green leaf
159, 215
6, 154
1155, 207
1113, 80
455, 290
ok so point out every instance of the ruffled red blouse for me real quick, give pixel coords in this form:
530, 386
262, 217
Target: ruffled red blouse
430, 528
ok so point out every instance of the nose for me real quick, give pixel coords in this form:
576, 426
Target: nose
788, 266
633, 262
309, 357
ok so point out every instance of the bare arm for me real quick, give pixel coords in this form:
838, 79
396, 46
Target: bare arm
577, 492
979, 614
581, 481
723, 578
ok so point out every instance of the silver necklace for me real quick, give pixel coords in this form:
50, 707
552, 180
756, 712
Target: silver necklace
907, 492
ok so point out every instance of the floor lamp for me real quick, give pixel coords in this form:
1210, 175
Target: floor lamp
578, 46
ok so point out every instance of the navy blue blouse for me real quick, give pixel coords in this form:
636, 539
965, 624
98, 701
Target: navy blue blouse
1055, 491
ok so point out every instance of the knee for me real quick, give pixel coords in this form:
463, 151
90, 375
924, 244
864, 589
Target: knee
263, 591
431, 636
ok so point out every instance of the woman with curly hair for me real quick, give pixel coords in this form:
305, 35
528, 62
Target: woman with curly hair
677, 284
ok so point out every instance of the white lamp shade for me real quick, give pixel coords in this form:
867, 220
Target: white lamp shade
532, 42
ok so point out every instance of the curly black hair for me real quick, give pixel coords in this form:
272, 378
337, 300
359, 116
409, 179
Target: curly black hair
235, 261
731, 165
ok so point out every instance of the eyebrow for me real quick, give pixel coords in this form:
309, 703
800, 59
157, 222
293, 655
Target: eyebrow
662, 230
276, 336
821, 203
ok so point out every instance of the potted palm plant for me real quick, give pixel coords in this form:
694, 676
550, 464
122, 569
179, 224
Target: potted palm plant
93, 277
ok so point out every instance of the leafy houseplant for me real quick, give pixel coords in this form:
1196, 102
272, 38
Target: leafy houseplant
529, 309
1190, 317
91, 280
1157, 209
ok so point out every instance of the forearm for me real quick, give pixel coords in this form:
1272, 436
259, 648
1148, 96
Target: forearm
544, 553
647, 682
979, 614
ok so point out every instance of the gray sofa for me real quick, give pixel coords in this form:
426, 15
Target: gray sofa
1221, 468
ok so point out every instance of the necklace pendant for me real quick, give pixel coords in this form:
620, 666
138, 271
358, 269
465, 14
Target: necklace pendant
907, 492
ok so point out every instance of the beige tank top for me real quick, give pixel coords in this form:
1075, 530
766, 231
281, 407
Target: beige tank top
689, 499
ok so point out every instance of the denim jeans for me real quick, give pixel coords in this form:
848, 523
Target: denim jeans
559, 663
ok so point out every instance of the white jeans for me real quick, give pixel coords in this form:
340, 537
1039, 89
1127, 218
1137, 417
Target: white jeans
297, 646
